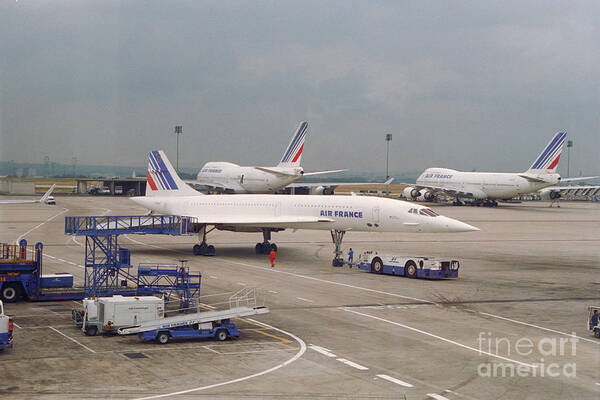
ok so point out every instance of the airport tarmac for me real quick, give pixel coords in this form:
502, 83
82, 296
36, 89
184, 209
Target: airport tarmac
525, 281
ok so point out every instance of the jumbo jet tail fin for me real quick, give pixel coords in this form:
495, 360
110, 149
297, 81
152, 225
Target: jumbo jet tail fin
293, 154
162, 178
547, 161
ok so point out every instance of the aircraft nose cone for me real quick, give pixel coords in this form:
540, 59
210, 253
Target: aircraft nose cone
453, 225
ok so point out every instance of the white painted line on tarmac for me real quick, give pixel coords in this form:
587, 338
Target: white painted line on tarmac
15, 324
352, 364
440, 338
208, 306
214, 277
253, 351
37, 226
273, 291
390, 294
303, 299
208, 348
216, 294
437, 396
151, 245
598, 383
322, 350
536, 326
244, 378
394, 380
241, 283
326, 281
71, 339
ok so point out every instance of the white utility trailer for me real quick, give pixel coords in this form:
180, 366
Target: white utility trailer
107, 314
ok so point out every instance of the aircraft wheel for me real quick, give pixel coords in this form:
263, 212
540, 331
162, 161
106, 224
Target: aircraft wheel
597, 333
274, 247
410, 269
197, 249
162, 338
221, 335
210, 250
258, 248
377, 266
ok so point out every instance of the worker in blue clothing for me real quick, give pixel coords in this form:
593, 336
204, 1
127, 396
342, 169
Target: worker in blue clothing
350, 257
594, 319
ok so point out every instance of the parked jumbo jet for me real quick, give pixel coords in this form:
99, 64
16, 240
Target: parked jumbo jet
166, 193
487, 187
232, 178
43, 199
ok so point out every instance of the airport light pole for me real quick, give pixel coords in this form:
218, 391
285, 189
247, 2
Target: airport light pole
569, 145
178, 130
388, 139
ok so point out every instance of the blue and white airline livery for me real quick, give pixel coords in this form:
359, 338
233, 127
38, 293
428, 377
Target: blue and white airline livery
166, 193
487, 187
232, 178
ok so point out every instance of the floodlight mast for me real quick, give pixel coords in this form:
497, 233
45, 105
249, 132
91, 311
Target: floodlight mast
178, 130
388, 139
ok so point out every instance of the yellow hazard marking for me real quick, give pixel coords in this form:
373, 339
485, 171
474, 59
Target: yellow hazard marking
283, 340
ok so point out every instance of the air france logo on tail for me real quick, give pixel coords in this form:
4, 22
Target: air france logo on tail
159, 176
294, 150
548, 159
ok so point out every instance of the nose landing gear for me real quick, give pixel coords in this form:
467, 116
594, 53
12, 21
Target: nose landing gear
337, 237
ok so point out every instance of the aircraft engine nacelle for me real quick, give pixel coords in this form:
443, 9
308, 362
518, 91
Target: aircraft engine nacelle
549, 194
427, 195
317, 190
411, 193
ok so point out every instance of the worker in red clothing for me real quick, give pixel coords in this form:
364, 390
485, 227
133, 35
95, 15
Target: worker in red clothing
272, 256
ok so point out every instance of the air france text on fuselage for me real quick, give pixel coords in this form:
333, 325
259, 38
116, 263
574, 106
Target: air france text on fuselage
438, 176
342, 214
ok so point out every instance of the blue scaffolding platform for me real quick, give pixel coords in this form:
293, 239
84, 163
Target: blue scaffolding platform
170, 280
107, 266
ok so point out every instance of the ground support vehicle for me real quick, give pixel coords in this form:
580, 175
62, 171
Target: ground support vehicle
208, 324
408, 266
21, 276
595, 329
6, 329
107, 314
218, 330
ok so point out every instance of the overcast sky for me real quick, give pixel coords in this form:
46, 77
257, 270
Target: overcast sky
469, 85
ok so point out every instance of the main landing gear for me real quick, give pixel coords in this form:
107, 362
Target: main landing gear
204, 249
337, 237
477, 203
265, 247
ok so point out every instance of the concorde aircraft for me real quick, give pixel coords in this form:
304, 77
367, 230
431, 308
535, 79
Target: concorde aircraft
485, 188
25, 201
167, 194
227, 177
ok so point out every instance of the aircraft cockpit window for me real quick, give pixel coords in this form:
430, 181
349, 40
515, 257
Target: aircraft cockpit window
428, 212
413, 211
